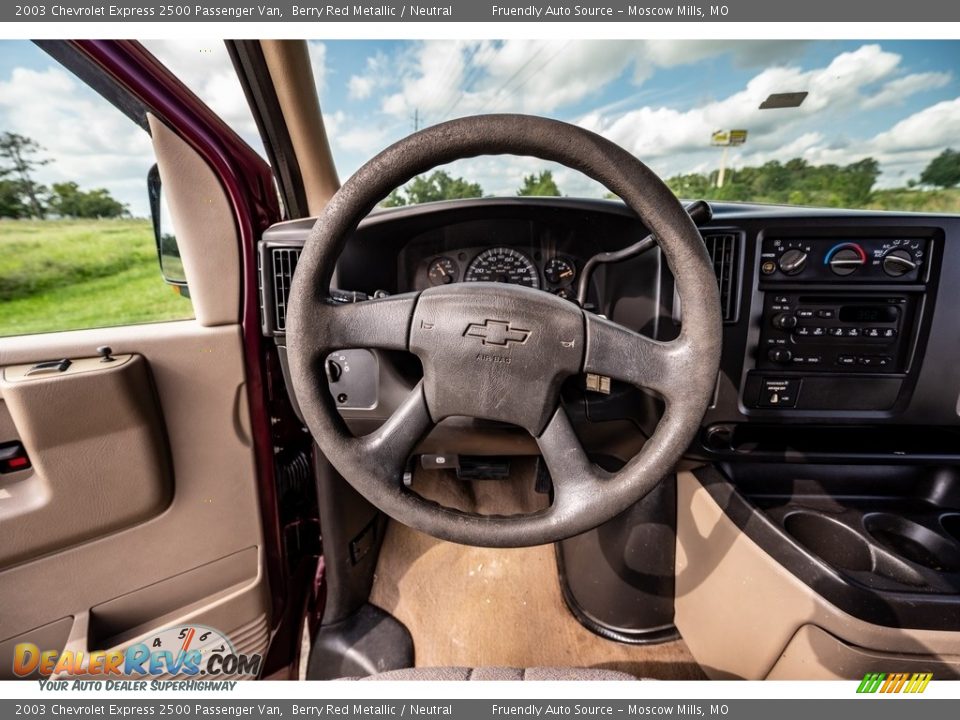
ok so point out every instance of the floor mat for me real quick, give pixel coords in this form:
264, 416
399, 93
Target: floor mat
475, 607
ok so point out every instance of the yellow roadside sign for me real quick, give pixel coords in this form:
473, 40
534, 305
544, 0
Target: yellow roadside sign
728, 137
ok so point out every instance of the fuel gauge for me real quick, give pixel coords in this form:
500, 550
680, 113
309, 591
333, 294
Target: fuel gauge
560, 271
443, 271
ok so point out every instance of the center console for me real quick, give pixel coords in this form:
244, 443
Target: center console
839, 321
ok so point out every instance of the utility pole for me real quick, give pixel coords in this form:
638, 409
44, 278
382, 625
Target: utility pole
416, 119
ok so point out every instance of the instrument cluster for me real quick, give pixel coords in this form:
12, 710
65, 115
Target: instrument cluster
552, 272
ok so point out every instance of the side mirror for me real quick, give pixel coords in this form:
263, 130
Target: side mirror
168, 253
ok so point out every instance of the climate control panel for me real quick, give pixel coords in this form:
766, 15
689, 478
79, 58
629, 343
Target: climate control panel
903, 259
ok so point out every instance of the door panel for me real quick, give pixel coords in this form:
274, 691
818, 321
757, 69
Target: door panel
100, 458
154, 455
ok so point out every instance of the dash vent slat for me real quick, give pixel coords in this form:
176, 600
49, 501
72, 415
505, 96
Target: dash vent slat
723, 251
284, 265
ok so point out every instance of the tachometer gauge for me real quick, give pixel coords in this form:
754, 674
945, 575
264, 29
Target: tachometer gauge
504, 265
559, 271
443, 271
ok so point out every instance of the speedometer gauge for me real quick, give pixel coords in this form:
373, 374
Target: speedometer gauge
504, 265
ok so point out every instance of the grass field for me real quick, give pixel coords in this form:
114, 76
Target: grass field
72, 274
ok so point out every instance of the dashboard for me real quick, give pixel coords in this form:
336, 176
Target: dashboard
840, 327
533, 254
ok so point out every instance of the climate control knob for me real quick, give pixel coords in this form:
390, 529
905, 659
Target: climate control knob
847, 260
784, 321
780, 355
898, 262
792, 262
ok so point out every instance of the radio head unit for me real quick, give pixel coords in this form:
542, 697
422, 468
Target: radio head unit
830, 333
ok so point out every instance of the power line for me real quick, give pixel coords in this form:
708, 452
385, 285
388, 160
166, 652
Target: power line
515, 74
471, 74
536, 70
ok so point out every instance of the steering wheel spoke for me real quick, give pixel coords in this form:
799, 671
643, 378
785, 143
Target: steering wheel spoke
623, 354
576, 479
385, 451
383, 324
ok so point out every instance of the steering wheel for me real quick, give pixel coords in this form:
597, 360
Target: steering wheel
501, 352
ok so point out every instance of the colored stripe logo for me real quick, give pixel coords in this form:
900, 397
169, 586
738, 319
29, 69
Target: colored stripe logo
894, 683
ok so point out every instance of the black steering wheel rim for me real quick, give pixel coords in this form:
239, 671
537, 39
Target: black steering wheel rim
431, 324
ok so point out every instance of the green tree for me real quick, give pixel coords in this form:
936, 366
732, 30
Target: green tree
692, 185
394, 199
438, 185
68, 200
541, 184
943, 171
11, 202
795, 182
857, 180
20, 154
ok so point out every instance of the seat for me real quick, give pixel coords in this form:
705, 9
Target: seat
500, 673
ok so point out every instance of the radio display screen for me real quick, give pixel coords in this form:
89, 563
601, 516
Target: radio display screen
868, 313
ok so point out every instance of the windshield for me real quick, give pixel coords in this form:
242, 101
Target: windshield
872, 124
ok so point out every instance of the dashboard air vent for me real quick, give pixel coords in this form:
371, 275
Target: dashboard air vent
723, 251
284, 262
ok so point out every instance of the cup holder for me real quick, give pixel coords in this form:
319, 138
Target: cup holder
831, 541
951, 525
913, 542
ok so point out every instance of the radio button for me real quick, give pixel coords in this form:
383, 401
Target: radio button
804, 313
802, 331
825, 314
852, 332
784, 321
780, 355
846, 360
835, 331
817, 331
889, 332
871, 332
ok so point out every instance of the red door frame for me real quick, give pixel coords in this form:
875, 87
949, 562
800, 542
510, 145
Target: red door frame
248, 182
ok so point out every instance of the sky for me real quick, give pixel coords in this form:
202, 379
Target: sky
896, 101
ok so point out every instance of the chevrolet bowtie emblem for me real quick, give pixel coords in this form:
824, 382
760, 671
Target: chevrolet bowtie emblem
496, 332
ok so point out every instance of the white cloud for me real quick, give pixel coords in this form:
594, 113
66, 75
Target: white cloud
655, 132
204, 66
360, 87
444, 78
318, 64
675, 140
85, 138
896, 91
932, 128
376, 75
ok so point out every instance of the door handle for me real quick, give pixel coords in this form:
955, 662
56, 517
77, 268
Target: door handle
50, 366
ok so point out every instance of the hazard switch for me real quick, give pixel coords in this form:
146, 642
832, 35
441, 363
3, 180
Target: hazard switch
779, 392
